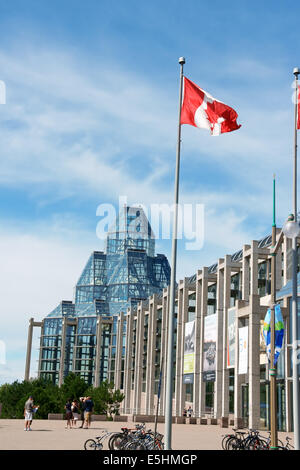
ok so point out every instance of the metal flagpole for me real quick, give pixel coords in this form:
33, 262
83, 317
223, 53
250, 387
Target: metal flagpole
294, 290
158, 398
272, 326
169, 372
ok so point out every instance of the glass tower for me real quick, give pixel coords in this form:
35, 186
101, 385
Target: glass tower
128, 272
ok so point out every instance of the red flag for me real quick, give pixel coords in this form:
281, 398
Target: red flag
202, 110
298, 108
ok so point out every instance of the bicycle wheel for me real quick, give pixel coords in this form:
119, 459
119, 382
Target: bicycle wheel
90, 444
116, 441
254, 443
233, 443
225, 440
136, 445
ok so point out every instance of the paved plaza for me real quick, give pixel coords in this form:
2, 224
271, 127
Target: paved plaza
52, 435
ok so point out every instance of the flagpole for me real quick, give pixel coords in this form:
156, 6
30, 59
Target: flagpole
272, 327
294, 289
169, 372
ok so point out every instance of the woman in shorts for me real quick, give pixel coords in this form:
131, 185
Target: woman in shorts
75, 412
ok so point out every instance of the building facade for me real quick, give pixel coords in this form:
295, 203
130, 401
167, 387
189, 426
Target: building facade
81, 336
220, 364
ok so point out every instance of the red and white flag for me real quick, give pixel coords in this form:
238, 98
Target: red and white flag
202, 110
298, 108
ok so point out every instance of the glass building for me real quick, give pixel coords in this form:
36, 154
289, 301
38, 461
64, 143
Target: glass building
81, 336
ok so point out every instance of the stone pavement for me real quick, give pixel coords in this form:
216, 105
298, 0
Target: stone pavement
52, 435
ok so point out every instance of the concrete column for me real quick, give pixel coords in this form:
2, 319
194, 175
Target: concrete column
128, 362
226, 305
150, 380
287, 260
164, 346
203, 313
245, 274
254, 268
239, 379
29, 348
288, 383
198, 344
75, 348
219, 356
181, 319
62, 352
41, 345
254, 368
119, 350
98, 351
139, 359
279, 277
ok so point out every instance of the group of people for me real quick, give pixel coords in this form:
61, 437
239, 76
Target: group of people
74, 409
83, 408
187, 413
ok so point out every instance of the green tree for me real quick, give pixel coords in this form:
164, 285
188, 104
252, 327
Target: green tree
106, 399
73, 387
13, 397
52, 399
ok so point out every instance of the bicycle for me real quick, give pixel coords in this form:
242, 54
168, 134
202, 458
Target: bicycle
287, 446
238, 441
92, 444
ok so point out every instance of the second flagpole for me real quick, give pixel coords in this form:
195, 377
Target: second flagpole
169, 371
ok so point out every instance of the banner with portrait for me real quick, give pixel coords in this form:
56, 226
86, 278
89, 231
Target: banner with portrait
210, 348
231, 337
243, 350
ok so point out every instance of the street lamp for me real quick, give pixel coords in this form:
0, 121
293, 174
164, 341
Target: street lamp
291, 229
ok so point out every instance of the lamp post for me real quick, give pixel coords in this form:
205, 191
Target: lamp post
273, 414
292, 229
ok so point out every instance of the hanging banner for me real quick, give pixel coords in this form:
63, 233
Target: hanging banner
189, 348
243, 350
188, 379
231, 337
210, 348
279, 332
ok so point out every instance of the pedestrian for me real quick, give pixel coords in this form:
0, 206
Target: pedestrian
75, 412
69, 416
190, 411
82, 410
184, 412
89, 406
28, 412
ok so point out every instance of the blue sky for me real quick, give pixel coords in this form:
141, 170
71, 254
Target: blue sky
91, 114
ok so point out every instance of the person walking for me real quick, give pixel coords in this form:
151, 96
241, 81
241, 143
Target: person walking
75, 412
28, 413
89, 406
190, 411
69, 416
82, 410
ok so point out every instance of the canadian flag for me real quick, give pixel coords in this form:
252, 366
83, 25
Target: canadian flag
298, 108
202, 110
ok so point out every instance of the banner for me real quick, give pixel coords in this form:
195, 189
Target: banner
188, 379
279, 332
231, 337
243, 350
189, 348
210, 348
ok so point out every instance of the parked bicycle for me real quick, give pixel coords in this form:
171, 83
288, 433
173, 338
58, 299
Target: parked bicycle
98, 442
251, 440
